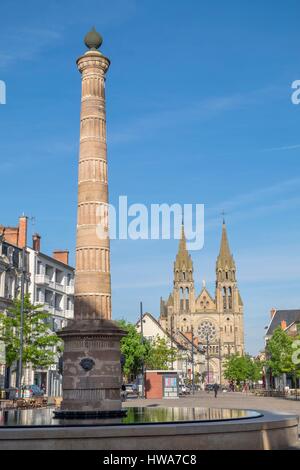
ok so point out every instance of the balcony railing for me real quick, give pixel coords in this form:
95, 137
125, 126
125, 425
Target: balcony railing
69, 313
42, 279
59, 287
70, 289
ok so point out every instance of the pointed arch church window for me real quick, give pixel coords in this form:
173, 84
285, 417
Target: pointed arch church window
229, 297
181, 298
224, 298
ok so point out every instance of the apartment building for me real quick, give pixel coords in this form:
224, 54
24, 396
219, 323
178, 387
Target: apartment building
49, 281
10, 269
52, 285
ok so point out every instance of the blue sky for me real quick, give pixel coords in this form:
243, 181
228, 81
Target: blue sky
198, 111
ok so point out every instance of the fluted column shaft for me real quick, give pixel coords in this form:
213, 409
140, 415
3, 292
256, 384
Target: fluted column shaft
92, 280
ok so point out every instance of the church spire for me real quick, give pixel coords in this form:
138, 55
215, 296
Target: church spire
227, 293
182, 243
225, 259
183, 258
183, 292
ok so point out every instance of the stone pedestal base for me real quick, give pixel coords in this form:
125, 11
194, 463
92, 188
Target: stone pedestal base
91, 369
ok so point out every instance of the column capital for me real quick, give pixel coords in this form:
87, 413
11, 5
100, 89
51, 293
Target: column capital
93, 60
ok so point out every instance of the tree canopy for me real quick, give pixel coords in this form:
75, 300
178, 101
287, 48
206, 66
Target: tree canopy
160, 355
242, 369
38, 339
155, 354
280, 354
132, 348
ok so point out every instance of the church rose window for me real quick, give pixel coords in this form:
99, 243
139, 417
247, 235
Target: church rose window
205, 329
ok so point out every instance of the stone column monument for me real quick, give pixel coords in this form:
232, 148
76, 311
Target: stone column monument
91, 360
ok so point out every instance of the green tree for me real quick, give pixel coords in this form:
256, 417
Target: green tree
38, 340
254, 373
160, 355
242, 369
133, 349
156, 354
279, 351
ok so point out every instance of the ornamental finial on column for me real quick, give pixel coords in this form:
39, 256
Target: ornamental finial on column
93, 40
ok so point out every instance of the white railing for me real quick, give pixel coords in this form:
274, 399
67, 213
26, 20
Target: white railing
42, 279
49, 308
70, 290
69, 313
59, 287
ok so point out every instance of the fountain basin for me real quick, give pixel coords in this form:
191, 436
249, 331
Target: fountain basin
150, 428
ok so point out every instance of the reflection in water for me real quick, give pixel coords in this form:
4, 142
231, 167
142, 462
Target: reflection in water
44, 416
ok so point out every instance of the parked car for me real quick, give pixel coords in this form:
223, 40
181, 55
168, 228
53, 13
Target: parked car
31, 391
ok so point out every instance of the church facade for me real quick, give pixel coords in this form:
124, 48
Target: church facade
216, 321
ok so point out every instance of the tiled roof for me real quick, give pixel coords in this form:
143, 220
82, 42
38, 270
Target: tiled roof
289, 316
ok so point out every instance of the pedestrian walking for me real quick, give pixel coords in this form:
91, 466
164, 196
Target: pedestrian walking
216, 388
123, 392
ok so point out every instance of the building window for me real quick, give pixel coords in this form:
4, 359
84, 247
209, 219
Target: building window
224, 298
49, 298
8, 292
39, 295
229, 297
49, 272
57, 324
39, 267
59, 276
10, 252
69, 304
58, 299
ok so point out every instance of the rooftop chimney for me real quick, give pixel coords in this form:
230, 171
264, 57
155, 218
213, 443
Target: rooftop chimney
283, 324
22, 236
16, 235
36, 242
272, 312
11, 235
61, 255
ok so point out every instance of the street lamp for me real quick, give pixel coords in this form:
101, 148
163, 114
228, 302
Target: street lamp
193, 366
207, 356
22, 274
20, 363
206, 349
172, 332
142, 342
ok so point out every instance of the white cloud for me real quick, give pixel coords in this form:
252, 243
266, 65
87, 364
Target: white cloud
284, 147
146, 125
200, 111
26, 46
